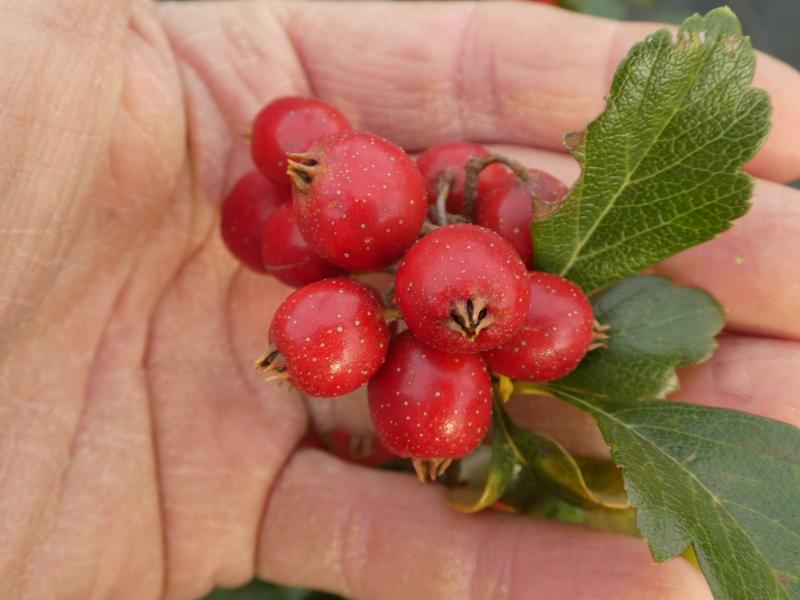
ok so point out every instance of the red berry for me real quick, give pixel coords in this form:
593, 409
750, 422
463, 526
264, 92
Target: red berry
290, 124
556, 335
329, 337
359, 200
450, 159
462, 288
430, 405
244, 211
508, 208
287, 256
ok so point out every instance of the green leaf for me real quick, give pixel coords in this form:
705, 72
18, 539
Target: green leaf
539, 457
261, 590
656, 327
726, 482
661, 165
482, 492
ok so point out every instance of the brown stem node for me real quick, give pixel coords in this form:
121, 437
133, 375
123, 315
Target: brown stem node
476, 164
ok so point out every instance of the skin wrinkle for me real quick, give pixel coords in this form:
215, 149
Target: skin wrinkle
484, 553
458, 74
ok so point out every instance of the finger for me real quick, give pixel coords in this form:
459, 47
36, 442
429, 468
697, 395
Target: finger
751, 268
492, 72
754, 375
222, 433
368, 534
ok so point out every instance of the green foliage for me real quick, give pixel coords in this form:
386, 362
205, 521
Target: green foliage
661, 165
655, 327
724, 481
519, 453
261, 590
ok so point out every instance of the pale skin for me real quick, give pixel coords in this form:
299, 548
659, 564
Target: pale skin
141, 455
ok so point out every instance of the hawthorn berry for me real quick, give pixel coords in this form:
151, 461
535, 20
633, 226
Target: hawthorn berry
462, 288
448, 160
290, 124
557, 333
328, 338
428, 405
287, 256
509, 208
244, 211
359, 200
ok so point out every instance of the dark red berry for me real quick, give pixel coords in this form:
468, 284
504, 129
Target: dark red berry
329, 337
556, 335
359, 200
287, 256
290, 124
449, 160
462, 288
244, 211
508, 208
430, 405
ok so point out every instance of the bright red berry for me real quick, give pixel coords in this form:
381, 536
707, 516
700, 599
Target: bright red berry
290, 124
508, 208
462, 288
359, 200
557, 333
329, 337
287, 256
430, 405
244, 211
449, 160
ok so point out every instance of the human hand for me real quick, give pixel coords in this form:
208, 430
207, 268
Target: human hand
141, 455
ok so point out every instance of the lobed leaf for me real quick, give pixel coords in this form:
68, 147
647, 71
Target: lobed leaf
661, 165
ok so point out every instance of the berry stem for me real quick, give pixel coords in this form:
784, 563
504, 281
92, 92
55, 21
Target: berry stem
428, 227
443, 191
476, 164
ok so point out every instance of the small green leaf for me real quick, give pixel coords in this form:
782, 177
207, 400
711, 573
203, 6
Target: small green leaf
656, 327
661, 165
540, 458
726, 482
556, 470
481, 493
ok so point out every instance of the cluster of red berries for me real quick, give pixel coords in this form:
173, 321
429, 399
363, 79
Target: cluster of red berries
454, 228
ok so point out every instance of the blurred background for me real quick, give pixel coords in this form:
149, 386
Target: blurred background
772, 25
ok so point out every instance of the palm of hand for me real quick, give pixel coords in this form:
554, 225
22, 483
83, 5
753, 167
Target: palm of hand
139, 452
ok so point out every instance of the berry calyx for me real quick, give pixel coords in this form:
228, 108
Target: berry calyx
287, 256
462, 288
245, 209
511, 207
359, 200
428, 405
448, 161
290, 124
328, 338
557, 333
